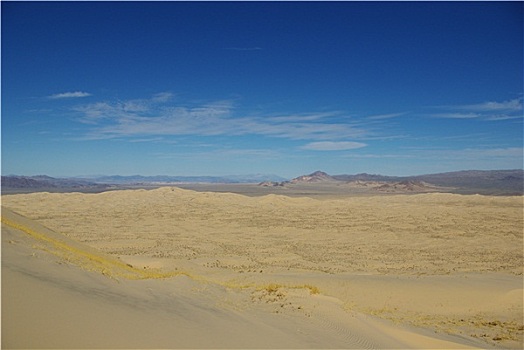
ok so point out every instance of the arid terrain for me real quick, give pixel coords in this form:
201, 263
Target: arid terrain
178, 268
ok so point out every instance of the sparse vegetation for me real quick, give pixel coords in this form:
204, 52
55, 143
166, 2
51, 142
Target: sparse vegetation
89, 260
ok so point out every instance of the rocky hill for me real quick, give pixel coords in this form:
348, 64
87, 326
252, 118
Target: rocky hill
317, 176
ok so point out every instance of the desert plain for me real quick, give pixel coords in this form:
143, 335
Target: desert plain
179, 268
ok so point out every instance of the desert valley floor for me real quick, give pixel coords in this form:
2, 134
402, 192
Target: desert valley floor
177, 268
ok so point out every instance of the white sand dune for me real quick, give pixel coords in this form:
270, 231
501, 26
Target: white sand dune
171, 268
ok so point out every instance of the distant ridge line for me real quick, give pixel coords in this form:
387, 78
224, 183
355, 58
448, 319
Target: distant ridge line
509, 182
495, 182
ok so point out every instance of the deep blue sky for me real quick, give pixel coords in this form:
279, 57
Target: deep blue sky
201, 88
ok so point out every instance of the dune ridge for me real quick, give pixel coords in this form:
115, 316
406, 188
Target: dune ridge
77, 253
52, 304
418, 234
444, 263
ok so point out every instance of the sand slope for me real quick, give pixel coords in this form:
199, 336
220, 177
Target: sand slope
177, 269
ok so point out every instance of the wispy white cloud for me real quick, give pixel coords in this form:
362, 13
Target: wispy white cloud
156, 117
333, 146
498, 117
510, 105
149, 140
486, 111
162, 97
96, 112
385, 116
75, 94
457, 115
300, 118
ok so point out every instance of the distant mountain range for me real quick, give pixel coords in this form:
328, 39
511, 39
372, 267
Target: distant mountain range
496, 182
46, 182
101, 182
163, 179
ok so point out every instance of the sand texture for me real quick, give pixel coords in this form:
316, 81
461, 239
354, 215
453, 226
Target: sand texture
174, 268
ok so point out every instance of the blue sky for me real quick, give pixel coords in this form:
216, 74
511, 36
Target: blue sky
270, 87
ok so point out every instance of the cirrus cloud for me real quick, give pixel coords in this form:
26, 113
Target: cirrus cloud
510, 105
333, 146
73, 94
156, 116
486, 111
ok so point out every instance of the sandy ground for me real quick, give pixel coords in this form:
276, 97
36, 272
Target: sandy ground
173, 268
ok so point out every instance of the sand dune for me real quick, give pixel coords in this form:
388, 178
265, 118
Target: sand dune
173, 268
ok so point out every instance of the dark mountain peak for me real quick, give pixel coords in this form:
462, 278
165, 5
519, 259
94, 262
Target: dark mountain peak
319, 173
317, 176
